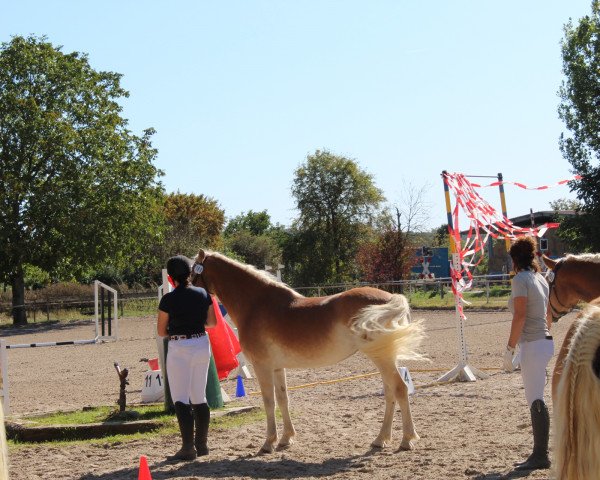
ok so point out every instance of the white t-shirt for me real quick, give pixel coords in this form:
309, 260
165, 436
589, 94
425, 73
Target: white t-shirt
532, 285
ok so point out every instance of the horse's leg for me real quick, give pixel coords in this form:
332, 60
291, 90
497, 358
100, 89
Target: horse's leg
385, 434
287, 437
264, 374
395, 389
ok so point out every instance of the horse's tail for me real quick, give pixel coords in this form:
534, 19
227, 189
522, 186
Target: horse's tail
387, 330
577, 402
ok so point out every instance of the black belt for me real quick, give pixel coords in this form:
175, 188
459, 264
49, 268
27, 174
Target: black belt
548, 337
185, 337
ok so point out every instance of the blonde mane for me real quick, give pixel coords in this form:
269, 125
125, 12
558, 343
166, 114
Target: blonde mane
583, 257
265, 276
577, 404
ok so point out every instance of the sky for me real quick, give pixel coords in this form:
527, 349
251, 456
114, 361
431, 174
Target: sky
241, 92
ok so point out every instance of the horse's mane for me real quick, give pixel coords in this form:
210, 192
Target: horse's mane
577, 438
263, 275
583, 257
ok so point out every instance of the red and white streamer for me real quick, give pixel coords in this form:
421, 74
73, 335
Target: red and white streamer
484, 222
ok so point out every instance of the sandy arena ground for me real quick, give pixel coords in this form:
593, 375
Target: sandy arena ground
474, 430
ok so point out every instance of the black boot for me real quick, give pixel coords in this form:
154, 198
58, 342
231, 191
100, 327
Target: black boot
186, 427
540, 421
202, 419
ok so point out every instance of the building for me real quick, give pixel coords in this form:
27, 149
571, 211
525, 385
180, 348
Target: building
549, 244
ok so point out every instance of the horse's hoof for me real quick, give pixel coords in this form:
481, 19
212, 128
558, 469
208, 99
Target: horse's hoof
407, 445
380, 443
266, 448
283, 444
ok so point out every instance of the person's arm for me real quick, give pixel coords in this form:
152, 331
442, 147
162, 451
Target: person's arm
518, 320
211, 318
162, 323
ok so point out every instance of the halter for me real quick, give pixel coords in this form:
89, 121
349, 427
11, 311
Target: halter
197, 269
551, 276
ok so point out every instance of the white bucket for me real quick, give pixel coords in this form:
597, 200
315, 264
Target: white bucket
153, 387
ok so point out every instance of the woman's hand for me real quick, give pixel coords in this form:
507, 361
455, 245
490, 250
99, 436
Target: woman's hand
507, 359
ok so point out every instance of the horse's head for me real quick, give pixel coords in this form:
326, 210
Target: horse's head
549, 262
196, 278
557, 308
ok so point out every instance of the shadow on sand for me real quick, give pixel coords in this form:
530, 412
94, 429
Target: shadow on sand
253, 466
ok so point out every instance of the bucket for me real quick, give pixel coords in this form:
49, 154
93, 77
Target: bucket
153, 364
153, 387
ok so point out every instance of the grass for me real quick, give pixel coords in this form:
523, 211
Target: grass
496, 297
166, 420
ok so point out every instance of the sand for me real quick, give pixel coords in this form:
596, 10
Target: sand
469, 430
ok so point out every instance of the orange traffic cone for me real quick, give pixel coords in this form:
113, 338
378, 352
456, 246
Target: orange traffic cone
144, 470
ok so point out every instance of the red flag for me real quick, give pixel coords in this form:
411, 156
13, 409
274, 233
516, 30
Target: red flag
223, 343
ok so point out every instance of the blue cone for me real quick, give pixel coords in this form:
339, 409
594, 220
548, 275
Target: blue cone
239, 391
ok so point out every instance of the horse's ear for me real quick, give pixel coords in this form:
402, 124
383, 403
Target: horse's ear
549, 262
201, 256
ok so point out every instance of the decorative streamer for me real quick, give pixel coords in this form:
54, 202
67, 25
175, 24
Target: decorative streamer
484, 222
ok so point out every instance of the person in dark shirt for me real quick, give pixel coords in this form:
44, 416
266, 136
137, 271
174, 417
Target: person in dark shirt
183, 315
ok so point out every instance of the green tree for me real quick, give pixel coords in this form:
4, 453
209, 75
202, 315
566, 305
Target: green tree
192, 221
76, 186
580, 98
337, 202
256, 223
571, 227
253, 239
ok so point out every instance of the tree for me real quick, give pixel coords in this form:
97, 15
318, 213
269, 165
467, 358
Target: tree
571, 227
77, 187
192, 221
257, 223
579, 109
253, 239
337, 201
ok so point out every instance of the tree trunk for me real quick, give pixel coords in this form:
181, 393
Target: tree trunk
19, 313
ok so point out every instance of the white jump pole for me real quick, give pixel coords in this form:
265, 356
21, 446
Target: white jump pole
3, 448
114, 331
4, 389
463, 372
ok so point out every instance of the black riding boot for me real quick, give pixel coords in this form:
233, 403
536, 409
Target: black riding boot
540, 421
186, 427
202, 419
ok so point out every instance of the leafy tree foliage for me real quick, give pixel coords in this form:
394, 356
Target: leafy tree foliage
337, 202
77, 187
390, 257
253, 239
256, 223
579, 109
192, 221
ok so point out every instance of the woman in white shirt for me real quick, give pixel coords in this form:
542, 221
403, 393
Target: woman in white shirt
530, 329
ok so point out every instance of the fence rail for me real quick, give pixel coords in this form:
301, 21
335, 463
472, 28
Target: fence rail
148, 300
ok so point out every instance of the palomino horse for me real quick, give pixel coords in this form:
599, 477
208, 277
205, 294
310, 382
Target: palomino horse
577, 402
572, 279
278, 328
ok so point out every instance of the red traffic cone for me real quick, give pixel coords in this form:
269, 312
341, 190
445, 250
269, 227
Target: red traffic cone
144, 470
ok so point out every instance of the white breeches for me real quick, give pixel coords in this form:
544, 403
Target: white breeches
534, 360
187, 369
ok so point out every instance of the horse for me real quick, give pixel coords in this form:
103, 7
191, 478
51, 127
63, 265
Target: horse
577, 402
279, 328
572, 279
579, 280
